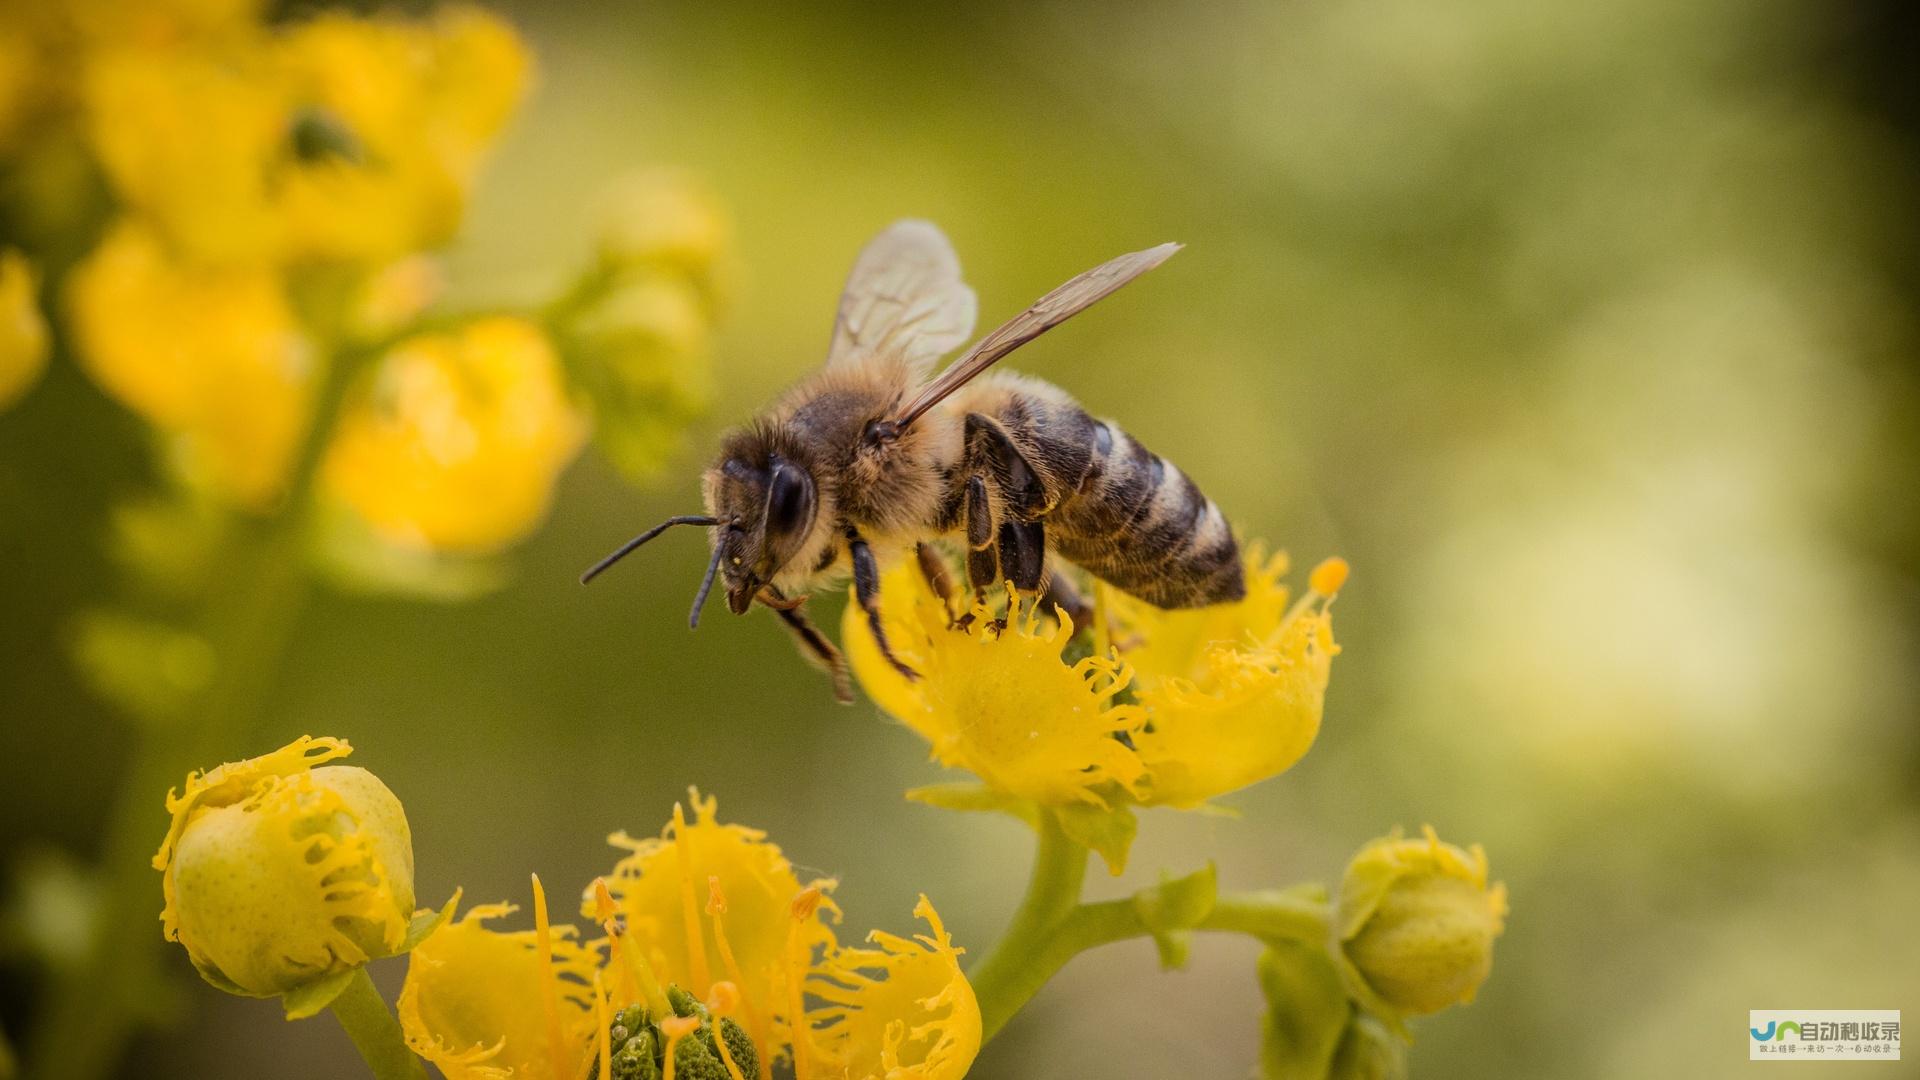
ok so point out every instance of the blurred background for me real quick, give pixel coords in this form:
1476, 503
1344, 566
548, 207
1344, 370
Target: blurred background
1583, 332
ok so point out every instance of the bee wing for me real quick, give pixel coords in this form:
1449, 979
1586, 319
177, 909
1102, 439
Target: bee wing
1046, 313
904, 296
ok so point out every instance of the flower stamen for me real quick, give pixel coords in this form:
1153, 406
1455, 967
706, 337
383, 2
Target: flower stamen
721, 1003
676, 1028
798, 962
717, 911
696, 939
549, 986
641, 982
600, 1020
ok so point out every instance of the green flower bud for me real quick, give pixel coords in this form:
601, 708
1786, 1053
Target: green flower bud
1415, 924
663, 220
281, 873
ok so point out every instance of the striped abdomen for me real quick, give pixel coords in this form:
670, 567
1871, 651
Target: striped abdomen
1122, 512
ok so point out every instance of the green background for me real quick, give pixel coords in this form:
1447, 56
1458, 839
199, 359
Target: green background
1582, 331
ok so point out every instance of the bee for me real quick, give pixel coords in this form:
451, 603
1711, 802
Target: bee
868, 457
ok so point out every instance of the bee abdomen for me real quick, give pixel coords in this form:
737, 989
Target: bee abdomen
1136, 521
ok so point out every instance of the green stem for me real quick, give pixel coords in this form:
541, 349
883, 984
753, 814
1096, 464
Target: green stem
1269, 915
1003, 979
92, 1008
375, 1033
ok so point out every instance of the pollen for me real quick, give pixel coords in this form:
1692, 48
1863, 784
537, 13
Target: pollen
1327, 578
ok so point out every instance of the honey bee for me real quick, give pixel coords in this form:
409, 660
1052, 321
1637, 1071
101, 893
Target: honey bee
869, 458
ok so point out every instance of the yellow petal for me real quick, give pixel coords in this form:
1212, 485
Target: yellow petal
1253, 713
473, 998
902, 1011
213, 356
1004, 706
662, 886
1235, 691
458, 440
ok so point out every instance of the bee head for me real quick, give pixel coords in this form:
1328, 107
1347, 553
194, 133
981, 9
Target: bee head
764, 491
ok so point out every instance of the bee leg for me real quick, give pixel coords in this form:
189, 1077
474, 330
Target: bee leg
1062, 593
815, 644
983, 558
1023, 549
939, 578
866, 592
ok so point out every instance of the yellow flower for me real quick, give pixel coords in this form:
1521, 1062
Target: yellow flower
662, 886
398, 115
486, 1004
1415, 923
188, 138
212, 357
339, 138
1186, 706
1235, 691
712, 904
716, 957
457, 441
23, 331
1003, 705
282, 871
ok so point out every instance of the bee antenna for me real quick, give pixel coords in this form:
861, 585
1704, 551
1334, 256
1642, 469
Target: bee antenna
627, 548
706, 586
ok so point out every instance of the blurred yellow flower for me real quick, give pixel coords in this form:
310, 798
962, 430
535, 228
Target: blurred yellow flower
458, 438
213, 357
23, 330
1189, 705
391, 119
337, 138
188, 138
281, 871
482, 1004
1414, 925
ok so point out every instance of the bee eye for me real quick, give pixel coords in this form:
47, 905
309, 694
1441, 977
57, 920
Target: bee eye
789, 501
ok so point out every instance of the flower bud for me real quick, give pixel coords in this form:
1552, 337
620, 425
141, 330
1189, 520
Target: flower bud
282, 871
1415, 925
663, 220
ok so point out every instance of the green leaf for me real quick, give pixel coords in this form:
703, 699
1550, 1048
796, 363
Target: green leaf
304, 1001
1172, 908
1307, 1012
425, 922
965, 795
1108, 831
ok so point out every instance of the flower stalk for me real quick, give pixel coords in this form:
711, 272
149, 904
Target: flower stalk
249, 624
1053, 925
375, 1033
